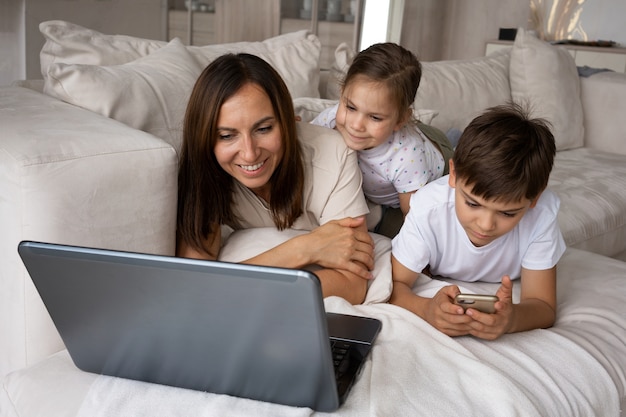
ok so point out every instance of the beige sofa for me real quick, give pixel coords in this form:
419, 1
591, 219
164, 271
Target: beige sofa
88, 156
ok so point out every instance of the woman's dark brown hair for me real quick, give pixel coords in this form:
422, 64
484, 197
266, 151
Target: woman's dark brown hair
505, 155
205, 190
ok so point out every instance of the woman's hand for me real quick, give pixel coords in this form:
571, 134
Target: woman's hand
342, 244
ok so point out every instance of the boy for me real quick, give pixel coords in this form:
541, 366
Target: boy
491, 219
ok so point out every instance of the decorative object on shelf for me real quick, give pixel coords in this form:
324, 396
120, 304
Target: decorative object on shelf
206, 8
353, 11
193, 5
305, 12
333, 11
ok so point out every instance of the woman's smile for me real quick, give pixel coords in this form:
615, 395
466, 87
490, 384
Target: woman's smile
252, 168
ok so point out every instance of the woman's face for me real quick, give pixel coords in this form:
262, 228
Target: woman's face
249, 145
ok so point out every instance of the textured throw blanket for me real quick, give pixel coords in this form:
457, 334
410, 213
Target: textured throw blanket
413, 370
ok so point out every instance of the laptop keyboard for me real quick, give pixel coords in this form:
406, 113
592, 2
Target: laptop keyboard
341, 357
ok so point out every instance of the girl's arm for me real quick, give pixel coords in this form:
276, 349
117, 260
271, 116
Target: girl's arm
405, 199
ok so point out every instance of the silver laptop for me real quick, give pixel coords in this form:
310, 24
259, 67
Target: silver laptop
243, 330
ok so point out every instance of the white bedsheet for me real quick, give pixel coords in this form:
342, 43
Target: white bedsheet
574, 369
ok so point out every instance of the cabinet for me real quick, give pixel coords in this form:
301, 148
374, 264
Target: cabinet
333, 21
222, 21
612, 58
195, 28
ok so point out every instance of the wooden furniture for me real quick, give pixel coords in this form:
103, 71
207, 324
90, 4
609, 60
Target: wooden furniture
613, 58
225, 21
331, 29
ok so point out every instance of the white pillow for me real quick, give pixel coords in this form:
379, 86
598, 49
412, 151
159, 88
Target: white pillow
546, 78
150, 93
460, 90
308, 108
344, 55
73, 44
245, 244
294, 55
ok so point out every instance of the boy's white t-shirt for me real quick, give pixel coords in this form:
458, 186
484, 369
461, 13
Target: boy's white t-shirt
406, 162
432, 235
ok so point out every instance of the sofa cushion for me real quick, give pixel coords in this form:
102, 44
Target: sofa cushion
150, 93
460, 90
294, 55
592, 187
545, 77
70, 43
72, 176
344, 54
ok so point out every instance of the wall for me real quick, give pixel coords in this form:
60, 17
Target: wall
458, 29
143, 18
12, 66
434, 29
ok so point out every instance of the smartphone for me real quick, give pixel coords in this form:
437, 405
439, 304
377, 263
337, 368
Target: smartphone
484, 303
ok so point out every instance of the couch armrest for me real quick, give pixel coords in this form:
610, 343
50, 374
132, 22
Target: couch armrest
603, 97
71, 176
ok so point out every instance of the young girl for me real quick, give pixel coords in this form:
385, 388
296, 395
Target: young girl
397, 154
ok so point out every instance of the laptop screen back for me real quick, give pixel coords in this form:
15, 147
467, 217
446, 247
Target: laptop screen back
248, 331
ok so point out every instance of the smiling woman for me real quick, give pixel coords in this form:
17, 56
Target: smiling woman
245, 163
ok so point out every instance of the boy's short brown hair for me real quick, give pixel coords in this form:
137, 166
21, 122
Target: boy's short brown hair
505, 155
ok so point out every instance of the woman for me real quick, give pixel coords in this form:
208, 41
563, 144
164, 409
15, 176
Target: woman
244, 163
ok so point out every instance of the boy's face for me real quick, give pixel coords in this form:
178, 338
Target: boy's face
485, 220
366, 116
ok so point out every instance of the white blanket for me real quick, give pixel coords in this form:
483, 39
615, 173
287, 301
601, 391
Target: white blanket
413, 370
576, 368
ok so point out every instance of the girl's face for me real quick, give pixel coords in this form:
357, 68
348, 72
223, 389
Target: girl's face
249, 143
367, 116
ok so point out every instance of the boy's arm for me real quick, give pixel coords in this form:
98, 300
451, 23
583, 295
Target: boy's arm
536, 309
438, 311
402, 293
537, 306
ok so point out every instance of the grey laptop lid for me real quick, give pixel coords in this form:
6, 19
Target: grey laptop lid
243, 330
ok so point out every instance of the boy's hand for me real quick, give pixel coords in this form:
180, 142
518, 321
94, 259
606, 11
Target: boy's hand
491, 326
446, 316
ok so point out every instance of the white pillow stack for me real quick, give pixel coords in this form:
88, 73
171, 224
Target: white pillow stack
546, 78
149, 93
145, 83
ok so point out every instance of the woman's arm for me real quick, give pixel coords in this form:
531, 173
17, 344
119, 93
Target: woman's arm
210, 251
343, 248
